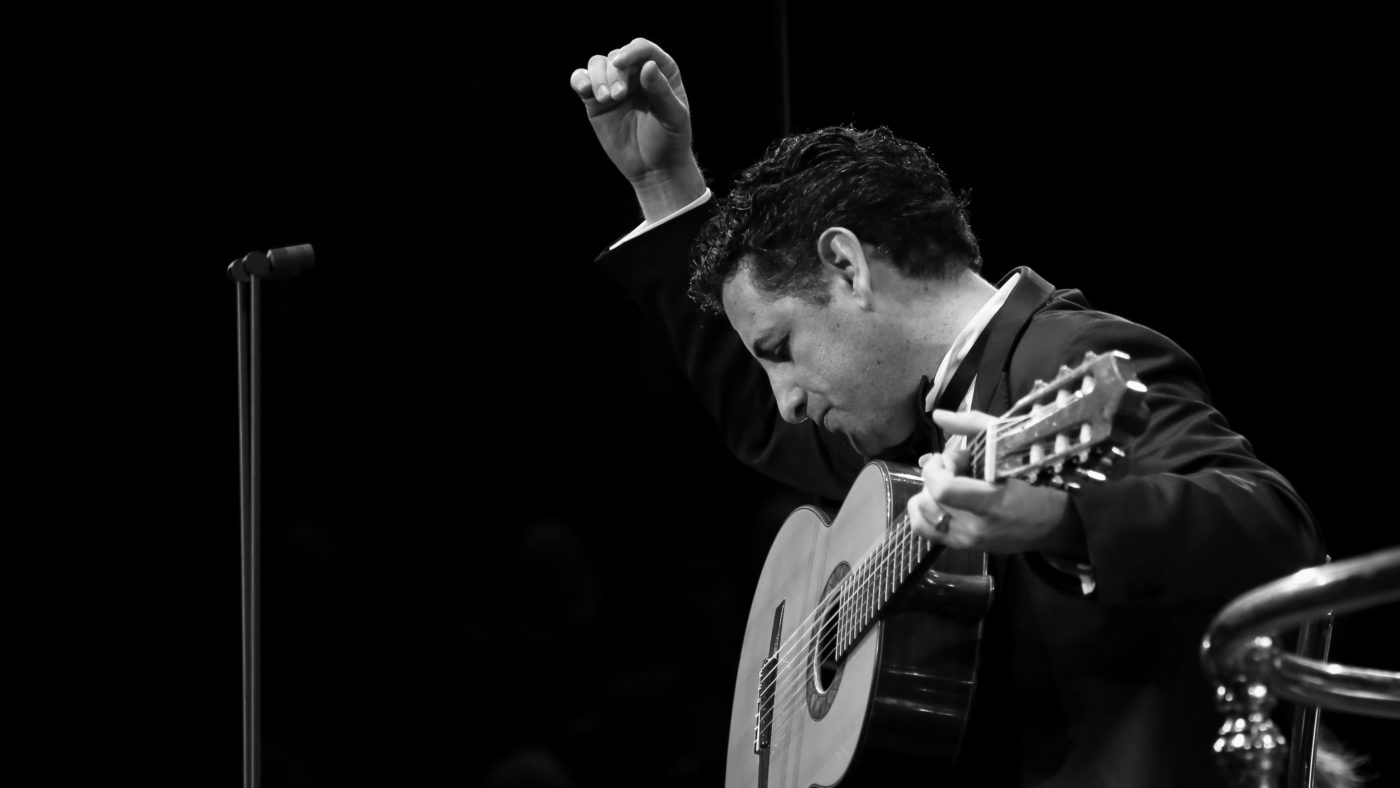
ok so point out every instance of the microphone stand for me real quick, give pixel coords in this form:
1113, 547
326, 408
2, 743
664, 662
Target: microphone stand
247, 273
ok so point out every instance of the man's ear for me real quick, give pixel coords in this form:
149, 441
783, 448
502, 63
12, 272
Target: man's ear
844, 259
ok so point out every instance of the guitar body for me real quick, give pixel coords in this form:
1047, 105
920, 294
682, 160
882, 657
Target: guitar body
896, 704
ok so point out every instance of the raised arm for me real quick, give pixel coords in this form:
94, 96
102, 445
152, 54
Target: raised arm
637, 105
640, 113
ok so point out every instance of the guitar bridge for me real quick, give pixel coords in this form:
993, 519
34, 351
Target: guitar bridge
767, 679
763, 718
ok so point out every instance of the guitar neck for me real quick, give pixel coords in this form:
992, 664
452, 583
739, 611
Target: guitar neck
1059, 433
867, 589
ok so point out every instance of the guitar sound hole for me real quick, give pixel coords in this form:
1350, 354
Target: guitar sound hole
823, 668
825, 657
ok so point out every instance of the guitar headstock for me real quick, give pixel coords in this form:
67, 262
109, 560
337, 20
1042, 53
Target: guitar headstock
1071, 428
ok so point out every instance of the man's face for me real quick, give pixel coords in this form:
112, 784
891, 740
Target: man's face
833, 363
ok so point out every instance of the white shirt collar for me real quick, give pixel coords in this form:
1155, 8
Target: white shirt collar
963, 343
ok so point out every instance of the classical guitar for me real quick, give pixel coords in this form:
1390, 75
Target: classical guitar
860, 654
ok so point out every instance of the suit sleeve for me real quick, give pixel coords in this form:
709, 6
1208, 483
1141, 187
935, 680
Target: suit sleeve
1196, 518
653, 270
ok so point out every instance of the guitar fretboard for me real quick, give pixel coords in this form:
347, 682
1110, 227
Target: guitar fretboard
863, 593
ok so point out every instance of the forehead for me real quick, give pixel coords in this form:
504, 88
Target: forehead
752, 312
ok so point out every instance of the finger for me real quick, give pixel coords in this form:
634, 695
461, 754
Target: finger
966, 494
582, 85
957, 455
940, 473
598, 75
617, 78
967, 422
936, 467
639, 51
940, 524
924, 515
664, 102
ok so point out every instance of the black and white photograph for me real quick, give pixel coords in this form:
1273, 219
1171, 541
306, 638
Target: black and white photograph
545, 395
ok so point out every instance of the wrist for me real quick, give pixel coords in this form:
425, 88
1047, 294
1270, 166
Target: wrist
662, 193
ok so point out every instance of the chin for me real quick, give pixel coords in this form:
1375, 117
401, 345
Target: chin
865, 446
887, 448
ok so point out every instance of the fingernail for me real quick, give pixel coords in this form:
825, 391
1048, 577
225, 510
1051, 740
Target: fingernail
924, 460
618, 89
601, 92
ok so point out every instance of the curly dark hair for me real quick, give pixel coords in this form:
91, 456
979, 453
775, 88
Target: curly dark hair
888, 191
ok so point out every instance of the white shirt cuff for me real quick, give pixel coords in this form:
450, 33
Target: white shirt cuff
1084, 572
644, 226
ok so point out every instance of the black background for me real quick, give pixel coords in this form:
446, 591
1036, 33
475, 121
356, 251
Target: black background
500, 538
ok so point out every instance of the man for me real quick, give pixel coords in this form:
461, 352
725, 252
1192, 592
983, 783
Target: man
846, 268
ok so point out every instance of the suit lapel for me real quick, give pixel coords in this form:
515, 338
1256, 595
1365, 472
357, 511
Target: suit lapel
992, 395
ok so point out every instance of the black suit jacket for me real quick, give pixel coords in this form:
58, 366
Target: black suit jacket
1104, 689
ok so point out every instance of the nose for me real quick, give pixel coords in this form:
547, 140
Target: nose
792, 402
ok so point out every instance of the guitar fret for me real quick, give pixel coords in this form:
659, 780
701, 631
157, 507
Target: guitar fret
1048, 433
888, 579
879, 588
856, 603
885, 576
893, 574
864, 593
864, 600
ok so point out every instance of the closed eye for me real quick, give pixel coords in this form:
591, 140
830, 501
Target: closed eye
777, 354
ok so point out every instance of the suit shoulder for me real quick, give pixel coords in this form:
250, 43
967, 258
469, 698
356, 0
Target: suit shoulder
1064, 331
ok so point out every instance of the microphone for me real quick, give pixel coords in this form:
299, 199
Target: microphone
283, 263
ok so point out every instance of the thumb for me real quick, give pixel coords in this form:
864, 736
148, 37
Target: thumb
664, 101
967, 422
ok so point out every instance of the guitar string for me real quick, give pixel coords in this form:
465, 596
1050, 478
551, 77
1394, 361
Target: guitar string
793, 697
796, 640
856, 595
799, 640
795, 694
851, 588
781, 710
796, 643
894, 558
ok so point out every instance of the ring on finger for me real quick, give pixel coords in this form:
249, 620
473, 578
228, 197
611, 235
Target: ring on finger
942, 525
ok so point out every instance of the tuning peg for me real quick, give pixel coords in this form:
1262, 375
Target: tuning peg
1064, 370
1039, 385
1096, 476
1073, 486
1089, 356
1117, 452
